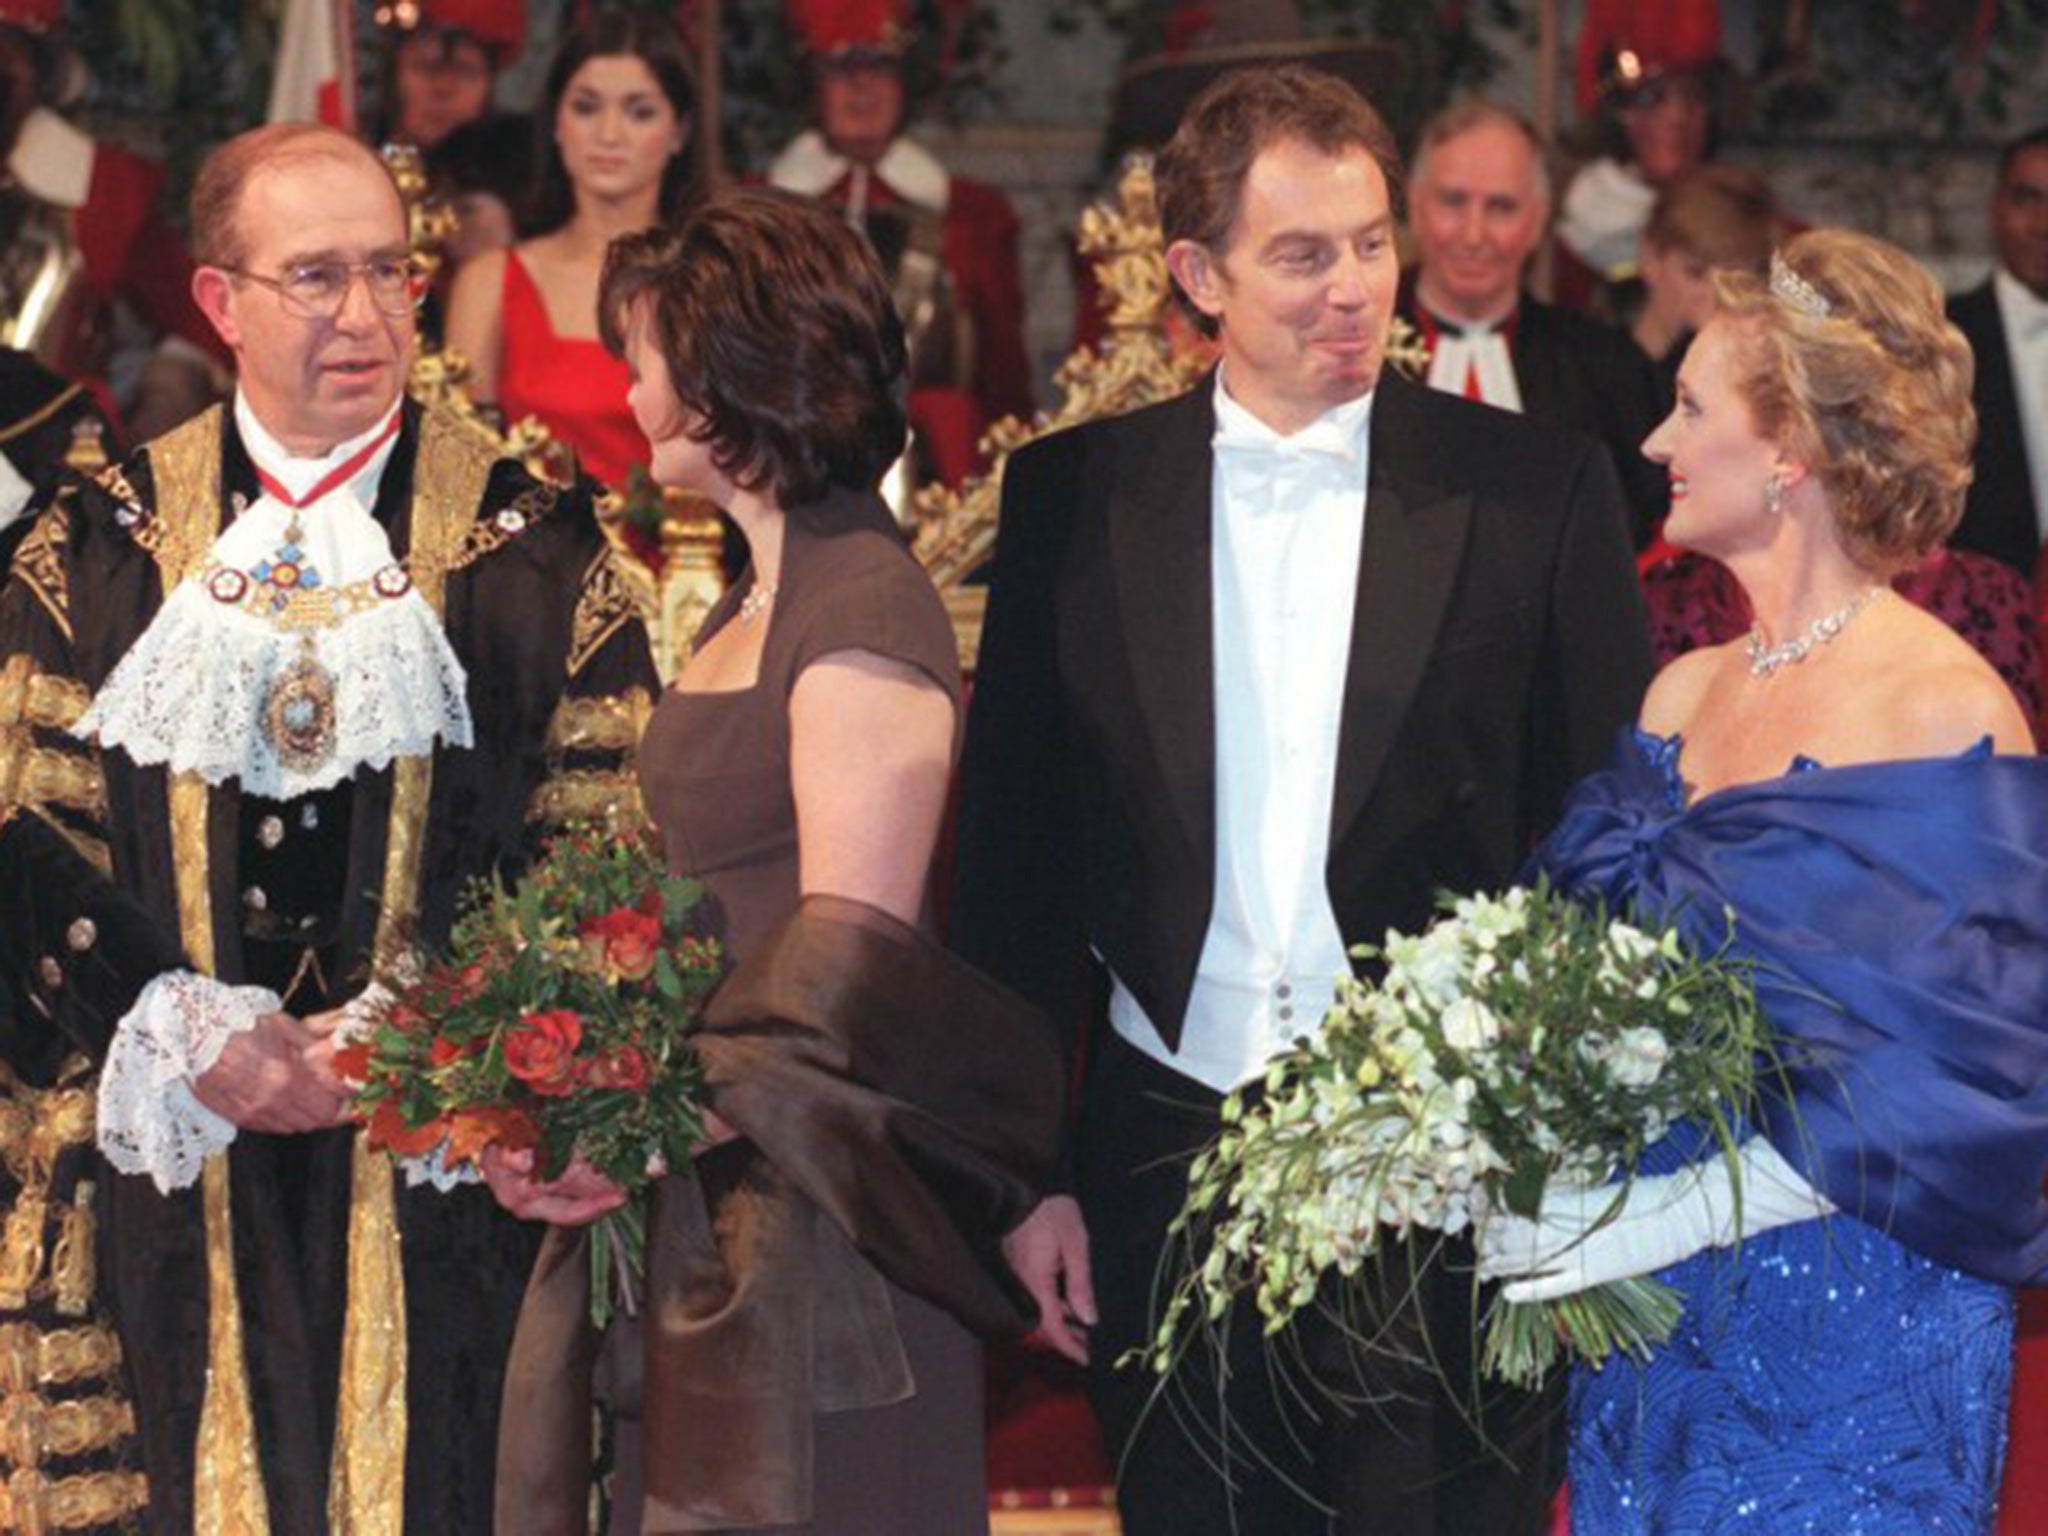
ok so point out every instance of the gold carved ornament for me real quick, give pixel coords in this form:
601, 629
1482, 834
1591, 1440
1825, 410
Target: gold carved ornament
1136, 365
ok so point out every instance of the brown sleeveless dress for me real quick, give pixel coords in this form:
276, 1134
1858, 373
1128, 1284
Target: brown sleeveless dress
715, 774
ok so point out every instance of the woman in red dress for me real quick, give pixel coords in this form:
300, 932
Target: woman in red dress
615, 123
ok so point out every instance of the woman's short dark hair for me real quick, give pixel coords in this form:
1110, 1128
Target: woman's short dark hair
1201, 173
613, 34
779, 334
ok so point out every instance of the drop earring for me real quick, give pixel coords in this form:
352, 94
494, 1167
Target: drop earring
1774, 495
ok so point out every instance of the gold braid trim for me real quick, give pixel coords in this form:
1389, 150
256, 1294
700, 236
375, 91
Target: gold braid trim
33, 1504
39, 566
16, 673
42, 414
366, 1487
599, 724
35, 777
227, 1492
31, 1357
22, 1246
606, 796
55, 703
40, 776
603, 608
89, 846
36, 1127
33, 1430
185, 463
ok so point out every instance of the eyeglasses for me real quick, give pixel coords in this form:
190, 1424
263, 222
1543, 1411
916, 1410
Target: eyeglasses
316, 290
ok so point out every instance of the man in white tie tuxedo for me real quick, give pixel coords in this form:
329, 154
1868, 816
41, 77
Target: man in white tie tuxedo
2006, 320
1266, 666
1479, 203
272, 691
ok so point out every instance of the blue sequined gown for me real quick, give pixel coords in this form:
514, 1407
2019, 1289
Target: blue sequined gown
1851, 1375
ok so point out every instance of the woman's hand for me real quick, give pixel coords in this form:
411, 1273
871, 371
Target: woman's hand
576, 1199
716, 1133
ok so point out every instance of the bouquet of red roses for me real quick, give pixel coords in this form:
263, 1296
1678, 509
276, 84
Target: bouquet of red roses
556, 1022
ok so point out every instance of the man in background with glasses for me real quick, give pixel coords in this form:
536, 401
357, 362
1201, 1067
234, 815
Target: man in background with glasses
271, 693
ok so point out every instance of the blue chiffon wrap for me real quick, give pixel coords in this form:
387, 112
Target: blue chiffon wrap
1898, 917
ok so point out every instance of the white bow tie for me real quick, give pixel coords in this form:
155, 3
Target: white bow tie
1324, 439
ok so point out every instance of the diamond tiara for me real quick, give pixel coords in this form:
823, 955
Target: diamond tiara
1794, 291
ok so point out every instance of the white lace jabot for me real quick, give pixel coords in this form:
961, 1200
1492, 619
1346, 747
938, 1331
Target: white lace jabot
200, 690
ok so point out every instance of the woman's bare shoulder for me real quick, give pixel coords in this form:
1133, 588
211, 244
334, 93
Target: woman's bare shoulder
1952, 702
1928, 693
1675, 693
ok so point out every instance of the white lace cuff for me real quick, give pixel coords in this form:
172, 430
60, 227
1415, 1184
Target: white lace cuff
150, 1122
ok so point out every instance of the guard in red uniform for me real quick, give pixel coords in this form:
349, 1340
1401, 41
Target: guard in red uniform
443, 63
950, 243
85, 200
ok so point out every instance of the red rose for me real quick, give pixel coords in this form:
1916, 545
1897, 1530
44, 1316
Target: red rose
620, 1067
469, 983
540, 1050
625, 942
351, 1063
445, 1052
405, 1019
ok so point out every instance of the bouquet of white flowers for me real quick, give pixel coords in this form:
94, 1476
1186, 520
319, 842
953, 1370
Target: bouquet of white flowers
1520, 1039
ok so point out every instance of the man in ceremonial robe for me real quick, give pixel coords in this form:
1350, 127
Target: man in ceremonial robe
1479, 201
271, 692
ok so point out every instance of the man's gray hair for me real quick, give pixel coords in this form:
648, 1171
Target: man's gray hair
1461, 117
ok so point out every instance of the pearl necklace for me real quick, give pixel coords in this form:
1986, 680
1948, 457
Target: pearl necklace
756, 601
1766, 659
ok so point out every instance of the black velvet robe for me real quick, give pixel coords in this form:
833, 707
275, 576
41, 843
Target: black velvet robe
559, 682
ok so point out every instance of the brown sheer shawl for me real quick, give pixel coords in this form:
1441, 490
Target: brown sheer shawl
899, 1111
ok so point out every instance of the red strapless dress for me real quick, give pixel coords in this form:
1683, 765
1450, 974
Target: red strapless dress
571, 383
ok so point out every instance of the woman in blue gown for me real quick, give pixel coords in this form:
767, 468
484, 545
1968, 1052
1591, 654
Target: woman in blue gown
1854, 786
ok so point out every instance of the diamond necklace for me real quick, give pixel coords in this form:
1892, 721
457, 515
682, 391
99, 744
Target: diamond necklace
757, 599
1766, 659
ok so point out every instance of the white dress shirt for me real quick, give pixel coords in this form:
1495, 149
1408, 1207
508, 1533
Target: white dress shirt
2024, 314
1288, 521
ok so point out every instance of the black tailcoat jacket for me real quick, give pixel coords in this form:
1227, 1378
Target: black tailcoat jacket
1999, 518
1498, 643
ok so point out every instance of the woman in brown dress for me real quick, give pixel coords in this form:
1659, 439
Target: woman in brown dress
807, 1361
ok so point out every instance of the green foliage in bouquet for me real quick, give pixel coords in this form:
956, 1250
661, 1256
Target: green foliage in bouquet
1518, 1040
557, 1022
